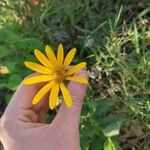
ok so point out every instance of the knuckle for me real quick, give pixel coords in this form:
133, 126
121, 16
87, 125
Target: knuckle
77, 100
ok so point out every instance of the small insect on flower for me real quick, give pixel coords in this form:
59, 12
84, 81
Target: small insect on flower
54, 71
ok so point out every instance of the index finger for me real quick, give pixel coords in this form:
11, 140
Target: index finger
22, 98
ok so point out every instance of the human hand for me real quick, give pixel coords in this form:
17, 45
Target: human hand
23, 127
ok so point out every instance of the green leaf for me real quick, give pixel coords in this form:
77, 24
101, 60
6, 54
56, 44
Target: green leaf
12, 37
103, 107
111, 145
13, 81
90, 130
112, 129
108, 145
11, 65
3, 85
7, 98
29, 44
85, 141
97, 143
3, 51
3, 35
92, 104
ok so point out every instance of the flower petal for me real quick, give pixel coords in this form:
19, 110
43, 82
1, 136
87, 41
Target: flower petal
78, 79
60, 54
42, 92
66, 95
53, 96
37, 79
50, 54
40, 56
76, 68
69, 57
38, 68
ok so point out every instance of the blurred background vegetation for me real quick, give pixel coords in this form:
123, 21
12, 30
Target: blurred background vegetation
112, 36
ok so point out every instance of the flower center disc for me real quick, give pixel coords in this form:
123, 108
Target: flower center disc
60, 74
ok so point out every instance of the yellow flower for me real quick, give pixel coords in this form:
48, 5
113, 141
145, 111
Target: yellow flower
54, 71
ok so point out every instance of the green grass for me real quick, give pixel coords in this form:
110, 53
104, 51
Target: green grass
113, 37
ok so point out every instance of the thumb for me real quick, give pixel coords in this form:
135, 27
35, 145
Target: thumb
71, 116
